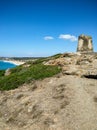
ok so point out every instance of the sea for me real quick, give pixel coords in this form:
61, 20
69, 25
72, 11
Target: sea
6, 65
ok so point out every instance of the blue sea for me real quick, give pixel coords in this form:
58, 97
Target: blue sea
6, 65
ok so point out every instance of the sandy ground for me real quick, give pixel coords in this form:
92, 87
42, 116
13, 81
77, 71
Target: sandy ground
15, 62
57, 103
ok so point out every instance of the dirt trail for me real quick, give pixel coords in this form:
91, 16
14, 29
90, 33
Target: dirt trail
57, 103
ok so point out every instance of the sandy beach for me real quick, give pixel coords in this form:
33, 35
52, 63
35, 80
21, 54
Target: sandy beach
14, 62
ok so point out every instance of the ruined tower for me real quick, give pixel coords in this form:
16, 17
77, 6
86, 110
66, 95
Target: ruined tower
85, 44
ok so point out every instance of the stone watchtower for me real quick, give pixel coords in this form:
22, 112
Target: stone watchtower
85, 44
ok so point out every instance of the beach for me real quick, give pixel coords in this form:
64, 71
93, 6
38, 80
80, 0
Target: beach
16, 62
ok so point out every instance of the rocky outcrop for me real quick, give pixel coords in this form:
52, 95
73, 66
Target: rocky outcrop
77, 64
85, 44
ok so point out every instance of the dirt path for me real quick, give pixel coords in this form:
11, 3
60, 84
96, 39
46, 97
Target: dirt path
58, 103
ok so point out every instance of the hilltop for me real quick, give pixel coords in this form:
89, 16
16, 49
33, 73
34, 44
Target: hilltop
54, 93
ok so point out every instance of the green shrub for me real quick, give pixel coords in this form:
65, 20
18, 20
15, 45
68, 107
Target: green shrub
2, 72
38, 61
21, 75
41, 60
56, 56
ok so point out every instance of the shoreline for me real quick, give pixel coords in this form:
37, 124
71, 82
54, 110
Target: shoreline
15, 62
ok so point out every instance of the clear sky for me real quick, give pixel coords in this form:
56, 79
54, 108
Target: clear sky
45, 27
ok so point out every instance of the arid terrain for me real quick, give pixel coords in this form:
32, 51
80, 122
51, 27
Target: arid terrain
66, 101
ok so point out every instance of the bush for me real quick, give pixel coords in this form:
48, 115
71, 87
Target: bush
56, 56
41, 60
2, 72
21, 75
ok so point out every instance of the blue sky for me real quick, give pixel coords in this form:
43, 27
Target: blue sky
45, 27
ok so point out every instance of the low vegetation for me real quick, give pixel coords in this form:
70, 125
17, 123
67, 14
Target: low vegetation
2, 72
41, 60
21, 74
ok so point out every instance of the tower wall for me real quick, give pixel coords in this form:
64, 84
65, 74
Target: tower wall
85, 44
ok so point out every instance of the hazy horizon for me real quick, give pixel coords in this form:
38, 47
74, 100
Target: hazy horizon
38, 28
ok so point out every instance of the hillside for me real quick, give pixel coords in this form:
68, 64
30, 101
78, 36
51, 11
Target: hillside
60, 93
31, 70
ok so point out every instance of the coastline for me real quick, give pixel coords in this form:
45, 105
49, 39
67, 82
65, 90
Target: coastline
15, 62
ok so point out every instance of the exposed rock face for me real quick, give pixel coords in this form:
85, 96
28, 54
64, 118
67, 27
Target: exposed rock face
85, 44
83, 65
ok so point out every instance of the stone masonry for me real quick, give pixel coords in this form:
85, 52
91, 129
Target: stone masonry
85, 44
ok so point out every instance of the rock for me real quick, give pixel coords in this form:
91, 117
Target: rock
79, 64
85, 44
92, 74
